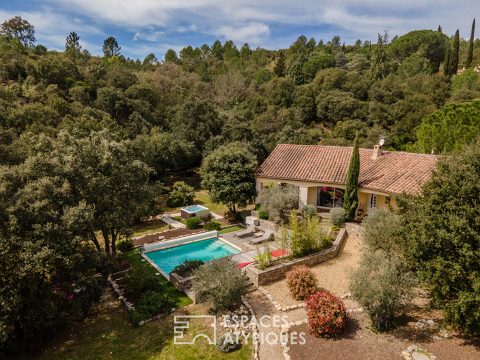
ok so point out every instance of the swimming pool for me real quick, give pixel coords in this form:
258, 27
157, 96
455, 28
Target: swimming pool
205, 250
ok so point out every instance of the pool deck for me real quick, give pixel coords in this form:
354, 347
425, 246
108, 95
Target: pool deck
249, 251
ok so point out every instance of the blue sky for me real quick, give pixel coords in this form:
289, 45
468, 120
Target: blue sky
153, 26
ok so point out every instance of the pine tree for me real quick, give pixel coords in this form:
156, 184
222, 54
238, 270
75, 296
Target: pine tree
455, 53
72, 44
470, 46
110, 47
279, 68
350, 199
446, 62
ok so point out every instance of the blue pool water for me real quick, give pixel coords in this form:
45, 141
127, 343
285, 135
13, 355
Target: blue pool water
205, 250
194, 208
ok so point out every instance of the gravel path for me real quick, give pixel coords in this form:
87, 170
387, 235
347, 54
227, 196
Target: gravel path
332, 275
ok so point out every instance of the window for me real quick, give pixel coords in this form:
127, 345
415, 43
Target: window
373, 201
329, 196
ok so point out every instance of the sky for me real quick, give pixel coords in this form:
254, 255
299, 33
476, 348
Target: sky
142, 27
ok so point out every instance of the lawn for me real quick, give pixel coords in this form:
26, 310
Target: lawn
230, 229
150, 227
203, 198
135, 259
108, 334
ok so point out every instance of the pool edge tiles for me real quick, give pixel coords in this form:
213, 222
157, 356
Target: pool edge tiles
165, 260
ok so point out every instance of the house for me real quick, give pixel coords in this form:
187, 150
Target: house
320, 173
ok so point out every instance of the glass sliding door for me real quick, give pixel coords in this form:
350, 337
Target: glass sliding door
329, 197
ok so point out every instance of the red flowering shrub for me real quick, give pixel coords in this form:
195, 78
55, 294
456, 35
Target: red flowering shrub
326, 314
301, 282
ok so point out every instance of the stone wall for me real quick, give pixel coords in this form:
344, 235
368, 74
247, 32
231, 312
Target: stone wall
184, 284
277, 272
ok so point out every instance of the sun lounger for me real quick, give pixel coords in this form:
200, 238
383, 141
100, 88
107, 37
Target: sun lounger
247, 232
267, 235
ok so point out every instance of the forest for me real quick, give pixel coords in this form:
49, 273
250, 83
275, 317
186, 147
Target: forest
88, 143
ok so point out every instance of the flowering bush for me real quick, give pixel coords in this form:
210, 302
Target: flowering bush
326, 314
302, 282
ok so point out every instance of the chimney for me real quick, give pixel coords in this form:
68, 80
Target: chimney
377, 152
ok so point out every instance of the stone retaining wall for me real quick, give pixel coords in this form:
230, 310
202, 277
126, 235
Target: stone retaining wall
277, 272
184, 284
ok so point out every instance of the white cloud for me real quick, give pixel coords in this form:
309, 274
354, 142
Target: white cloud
272, 23
51, 27
151, 36
359, 16
252, 33
187, 28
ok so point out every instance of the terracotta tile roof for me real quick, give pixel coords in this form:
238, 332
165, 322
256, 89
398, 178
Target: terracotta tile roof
392, 172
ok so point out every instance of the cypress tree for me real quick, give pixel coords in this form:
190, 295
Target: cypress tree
279, 68
439, 28
454, 54
470, 46
379, 67
296, 70
446, 63
350, 199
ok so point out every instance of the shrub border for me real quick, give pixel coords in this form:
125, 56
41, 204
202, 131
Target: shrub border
277, 272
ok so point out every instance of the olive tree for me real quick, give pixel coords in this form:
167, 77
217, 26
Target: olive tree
278, 201
382, 283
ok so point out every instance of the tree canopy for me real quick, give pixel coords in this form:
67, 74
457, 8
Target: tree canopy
228, 174
442, 237
450, 128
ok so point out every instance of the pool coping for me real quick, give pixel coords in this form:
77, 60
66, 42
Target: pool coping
177, 241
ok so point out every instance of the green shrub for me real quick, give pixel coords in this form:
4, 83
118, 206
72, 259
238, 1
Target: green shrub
221, 283
264, 258
180, 195
212, 225
227, 343
193, 222
307, 236
327, 241
338, 216
309, 211
138, 281
187, 267
326, 314
263, 214
125, 245
335, 228
150, 304
302, 282
381, 230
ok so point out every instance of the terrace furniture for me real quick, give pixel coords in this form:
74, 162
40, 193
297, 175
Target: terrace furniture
247, 232
267, 235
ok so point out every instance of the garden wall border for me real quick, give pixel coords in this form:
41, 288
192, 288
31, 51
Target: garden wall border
277, 272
